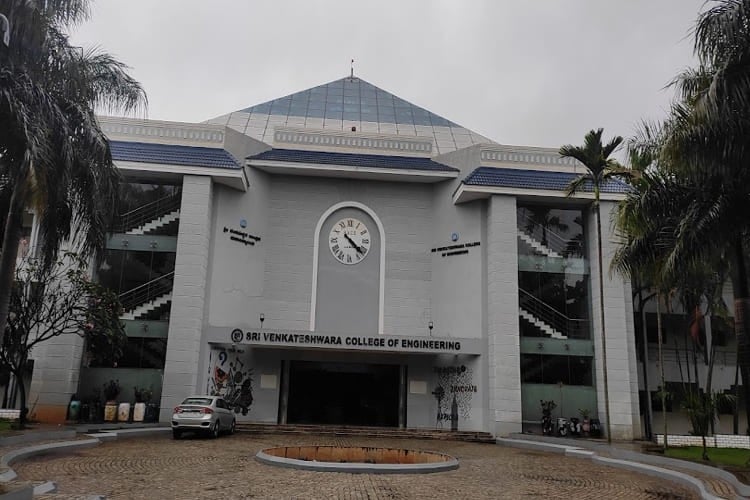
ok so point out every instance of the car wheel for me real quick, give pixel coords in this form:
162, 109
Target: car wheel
176, 434
232, 427
214, 432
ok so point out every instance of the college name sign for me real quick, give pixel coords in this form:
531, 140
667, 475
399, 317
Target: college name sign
390, 343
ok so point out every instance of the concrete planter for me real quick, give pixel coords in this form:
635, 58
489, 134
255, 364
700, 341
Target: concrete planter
110, 411
123, 412
139, 412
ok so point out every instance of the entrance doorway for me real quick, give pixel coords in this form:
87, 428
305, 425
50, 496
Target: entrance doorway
343, 394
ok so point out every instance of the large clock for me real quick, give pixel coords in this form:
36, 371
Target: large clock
349, 241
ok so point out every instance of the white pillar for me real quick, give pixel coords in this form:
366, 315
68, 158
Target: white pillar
504, 348
619, 332
188, 294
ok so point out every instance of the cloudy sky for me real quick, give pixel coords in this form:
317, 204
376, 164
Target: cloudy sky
538, 73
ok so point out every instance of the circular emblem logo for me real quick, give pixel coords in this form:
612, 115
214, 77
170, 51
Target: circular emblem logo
237, 335
454, 237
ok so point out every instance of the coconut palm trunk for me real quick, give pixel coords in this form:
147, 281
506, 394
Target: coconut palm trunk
742, 320
9, 249
605, 378
661, 369
595, 156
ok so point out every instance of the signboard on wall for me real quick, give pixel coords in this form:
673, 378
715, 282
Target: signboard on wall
314, 340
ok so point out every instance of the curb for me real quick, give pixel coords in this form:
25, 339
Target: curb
658, 460
62, 447
573, 451
30, 451
35, 437
45, 488
356, 467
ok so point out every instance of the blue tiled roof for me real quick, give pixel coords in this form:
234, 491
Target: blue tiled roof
353, 160
170, 154
534, 179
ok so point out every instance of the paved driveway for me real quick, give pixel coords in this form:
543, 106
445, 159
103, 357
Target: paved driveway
160, 468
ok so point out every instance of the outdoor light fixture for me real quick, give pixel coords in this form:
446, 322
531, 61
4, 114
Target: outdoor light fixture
430, 325
262, 319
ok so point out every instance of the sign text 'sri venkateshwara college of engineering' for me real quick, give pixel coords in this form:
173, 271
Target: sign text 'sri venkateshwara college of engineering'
387, 342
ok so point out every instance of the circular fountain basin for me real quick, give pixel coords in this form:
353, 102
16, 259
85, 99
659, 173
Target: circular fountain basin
355, 459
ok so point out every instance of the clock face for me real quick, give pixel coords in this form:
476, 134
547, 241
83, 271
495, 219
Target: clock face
349, 241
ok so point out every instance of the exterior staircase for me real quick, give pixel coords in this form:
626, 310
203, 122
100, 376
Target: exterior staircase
145, 308
143, 299
547, 329
155, 224
369, 432
150, 216
548, 320
533, 243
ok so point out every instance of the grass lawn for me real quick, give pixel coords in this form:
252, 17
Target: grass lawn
723, 456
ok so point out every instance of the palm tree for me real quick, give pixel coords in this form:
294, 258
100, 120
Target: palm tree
54, 158
705, 139
595, 156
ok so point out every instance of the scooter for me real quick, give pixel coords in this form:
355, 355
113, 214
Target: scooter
575, 427
563, 426
596, 428
547, 427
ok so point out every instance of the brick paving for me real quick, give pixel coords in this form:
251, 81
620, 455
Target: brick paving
160, 468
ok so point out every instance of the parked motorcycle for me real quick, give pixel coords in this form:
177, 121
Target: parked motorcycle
563, 426
575, 427
596, 428
547, 427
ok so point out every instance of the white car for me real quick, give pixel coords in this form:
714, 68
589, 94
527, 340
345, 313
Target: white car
206, 414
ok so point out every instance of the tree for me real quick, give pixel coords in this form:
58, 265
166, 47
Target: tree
54, 300
705, 144
595, 156
54, 158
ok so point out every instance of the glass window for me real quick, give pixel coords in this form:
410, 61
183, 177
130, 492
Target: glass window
561, 301
531, 368
559, 230
144, 352
581, 372
554, 369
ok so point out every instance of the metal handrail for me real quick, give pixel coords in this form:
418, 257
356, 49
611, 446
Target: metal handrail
561, 244
570, 327
147, 291
147, 212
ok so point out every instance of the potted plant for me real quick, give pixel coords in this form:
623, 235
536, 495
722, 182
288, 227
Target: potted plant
111, 390
142, 397
585, 420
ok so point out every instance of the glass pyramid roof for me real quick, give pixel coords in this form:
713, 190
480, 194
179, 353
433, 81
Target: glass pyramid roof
346, 103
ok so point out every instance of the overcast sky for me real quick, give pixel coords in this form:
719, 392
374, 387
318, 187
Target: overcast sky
538, 73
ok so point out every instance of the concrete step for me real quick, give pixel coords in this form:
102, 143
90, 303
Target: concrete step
375, 432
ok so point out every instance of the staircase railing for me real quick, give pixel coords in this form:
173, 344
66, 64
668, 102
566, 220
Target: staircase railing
569, 327
555, 241
146, 213
147, 292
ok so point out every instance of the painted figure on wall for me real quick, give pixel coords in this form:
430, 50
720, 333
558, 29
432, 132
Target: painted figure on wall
229, 378
454, 393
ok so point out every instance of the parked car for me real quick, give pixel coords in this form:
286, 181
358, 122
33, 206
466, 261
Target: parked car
210, 415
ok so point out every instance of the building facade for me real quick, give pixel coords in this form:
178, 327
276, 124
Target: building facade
342, 256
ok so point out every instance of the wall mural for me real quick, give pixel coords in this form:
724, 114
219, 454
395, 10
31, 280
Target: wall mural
230, 378
454, 393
